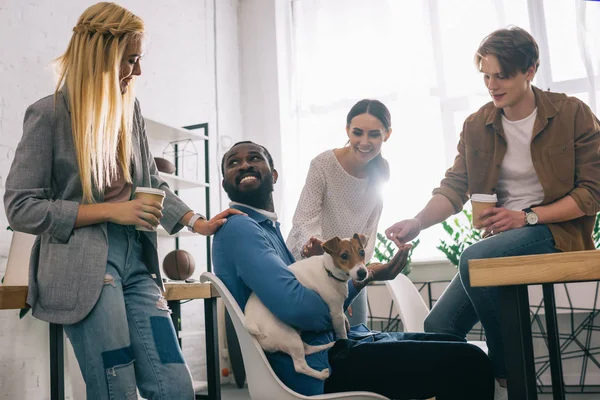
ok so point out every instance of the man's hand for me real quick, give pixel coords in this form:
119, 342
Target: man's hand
498, 219
209, 227
390, 270
404, 231
312, 247
387, 271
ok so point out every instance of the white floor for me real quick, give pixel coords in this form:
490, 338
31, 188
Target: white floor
231, 392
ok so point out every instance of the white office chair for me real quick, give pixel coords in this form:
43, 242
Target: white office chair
263, 384
17, 266
411, 307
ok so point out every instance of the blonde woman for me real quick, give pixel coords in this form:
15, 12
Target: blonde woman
83, 153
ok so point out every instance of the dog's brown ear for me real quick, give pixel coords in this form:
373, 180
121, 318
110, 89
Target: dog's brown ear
332, 245
362, 239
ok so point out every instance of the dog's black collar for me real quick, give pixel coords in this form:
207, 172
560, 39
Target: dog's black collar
331, 275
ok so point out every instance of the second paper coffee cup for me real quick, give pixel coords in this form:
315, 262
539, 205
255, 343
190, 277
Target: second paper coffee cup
480, 202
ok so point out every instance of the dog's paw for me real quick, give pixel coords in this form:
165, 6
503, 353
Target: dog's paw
324, 374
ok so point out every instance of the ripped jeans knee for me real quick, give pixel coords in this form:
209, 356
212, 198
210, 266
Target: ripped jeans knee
163, 304
109, 280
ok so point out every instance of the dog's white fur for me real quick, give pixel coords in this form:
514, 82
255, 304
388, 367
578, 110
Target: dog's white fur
274, 335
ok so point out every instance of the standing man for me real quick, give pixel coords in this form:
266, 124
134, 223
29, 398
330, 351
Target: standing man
538, 152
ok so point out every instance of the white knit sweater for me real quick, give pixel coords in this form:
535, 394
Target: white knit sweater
335, 203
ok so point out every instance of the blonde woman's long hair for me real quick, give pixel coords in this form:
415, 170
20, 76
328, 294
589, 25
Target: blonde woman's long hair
101, 116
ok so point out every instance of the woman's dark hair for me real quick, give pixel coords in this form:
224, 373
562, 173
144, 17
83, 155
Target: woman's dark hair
378, 168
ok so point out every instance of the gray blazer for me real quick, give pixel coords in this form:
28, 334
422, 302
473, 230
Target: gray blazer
42, 197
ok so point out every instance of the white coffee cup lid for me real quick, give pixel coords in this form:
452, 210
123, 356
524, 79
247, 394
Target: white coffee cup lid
150, 191
484, 198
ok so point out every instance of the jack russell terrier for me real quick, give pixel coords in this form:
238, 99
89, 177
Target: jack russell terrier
328, 275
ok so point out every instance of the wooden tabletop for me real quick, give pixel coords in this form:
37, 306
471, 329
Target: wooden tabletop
13, 297
575, 266
185, 291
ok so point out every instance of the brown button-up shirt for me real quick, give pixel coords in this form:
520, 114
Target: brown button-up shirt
564, 151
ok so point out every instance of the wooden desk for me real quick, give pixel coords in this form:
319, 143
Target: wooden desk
13, 297
512, 275
177, 291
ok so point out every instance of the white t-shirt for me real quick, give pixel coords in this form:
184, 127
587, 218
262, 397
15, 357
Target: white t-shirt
518, 184
335, 203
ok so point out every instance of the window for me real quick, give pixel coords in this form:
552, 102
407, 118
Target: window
417, 57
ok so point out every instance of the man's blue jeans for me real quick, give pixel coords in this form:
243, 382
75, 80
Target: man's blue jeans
128, 339
462, 306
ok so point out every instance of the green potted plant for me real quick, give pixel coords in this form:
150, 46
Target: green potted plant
462, 234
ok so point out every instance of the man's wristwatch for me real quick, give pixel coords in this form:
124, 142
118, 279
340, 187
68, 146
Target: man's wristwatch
192, 221
531, 218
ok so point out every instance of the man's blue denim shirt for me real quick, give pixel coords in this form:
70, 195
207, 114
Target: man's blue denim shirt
250, 255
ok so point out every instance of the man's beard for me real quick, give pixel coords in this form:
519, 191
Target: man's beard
259, 197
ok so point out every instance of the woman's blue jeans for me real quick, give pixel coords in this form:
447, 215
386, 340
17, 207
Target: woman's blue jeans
462, 306
360, 309
128, 341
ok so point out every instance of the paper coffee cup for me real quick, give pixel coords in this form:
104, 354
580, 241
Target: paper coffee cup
151, 194
480, 202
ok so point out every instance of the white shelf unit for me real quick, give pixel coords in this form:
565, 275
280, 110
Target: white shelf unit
178, 183
160, 131
161, 232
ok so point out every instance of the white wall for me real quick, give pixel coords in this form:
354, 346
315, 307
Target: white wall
177, 87
265, 92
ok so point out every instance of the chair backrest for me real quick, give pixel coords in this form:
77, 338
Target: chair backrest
17, 266
263, 384
408, 301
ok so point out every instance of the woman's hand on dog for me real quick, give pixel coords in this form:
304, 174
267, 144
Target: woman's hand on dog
312, 247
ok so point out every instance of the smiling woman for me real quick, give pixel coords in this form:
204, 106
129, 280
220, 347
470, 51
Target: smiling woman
130, 64
341, 196
83, 153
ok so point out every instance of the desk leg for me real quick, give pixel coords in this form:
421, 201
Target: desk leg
558, 386
212, 349
518, 344
57, 364
175, 307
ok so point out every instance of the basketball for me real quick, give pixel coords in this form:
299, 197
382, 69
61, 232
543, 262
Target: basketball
179, 265
164, 165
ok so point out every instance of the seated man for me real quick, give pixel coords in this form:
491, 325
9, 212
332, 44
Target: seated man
250, 255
